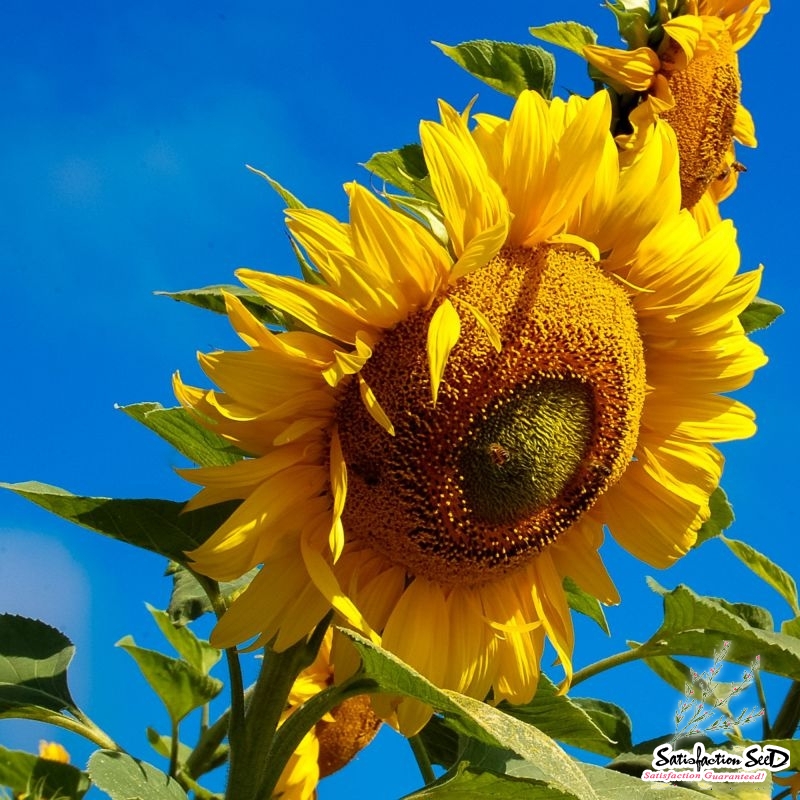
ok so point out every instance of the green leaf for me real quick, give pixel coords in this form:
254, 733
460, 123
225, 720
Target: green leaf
21, 771
759, 314
466, 783
792, 628
721, 517
696, 625
586, 604
179, 686
189, 601
474, 719
564, 719
163, 746
767, 570
287, 197
211, 299
755, 616
509, 68
178, 427
611, 785
570, 35
632, 20
610, 719
156, 525
33, 669
442, 744
198, 653
126, 778
404, 168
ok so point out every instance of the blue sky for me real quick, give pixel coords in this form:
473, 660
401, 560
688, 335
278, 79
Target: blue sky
125, 133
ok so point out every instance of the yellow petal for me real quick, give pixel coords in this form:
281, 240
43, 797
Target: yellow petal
338, 478
319, 308
486, 324
632, 69
374, 407
443, 333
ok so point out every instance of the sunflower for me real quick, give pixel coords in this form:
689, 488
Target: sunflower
442, 438
687, 72
335, 739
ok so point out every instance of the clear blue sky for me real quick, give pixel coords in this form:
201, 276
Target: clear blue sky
124, 135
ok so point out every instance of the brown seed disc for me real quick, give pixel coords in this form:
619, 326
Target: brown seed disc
353, 728
520, 443
706, 98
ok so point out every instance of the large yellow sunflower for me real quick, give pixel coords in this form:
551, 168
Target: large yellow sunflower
687, 73
333, 741
444, 440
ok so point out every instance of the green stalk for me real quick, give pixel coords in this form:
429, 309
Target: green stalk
642, 651
788, 717
82, 726
251, 755
236, 721
423, 759
173, 750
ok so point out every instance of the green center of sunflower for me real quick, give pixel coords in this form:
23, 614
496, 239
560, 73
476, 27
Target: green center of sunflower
526, 448
520, 443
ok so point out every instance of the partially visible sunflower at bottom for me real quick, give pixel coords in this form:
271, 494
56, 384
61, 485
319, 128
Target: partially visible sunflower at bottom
684, 68
443, 442
335, 739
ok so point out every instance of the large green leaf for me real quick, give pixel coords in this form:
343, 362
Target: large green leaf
759, 314
404, 168
156, 525
189, 601
185, 434
476, 720
586, 604
565, 720
33, 669
197, 652
126, 778
468, 783
696, 625
767, 570
212, 299
21, 771
509, 68
570, 35
611, 785
721, 517
179, 686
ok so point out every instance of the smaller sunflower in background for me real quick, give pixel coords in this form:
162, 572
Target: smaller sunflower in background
334, 741
441, 438
682, 66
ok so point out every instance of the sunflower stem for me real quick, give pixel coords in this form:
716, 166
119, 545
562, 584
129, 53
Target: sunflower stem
236, 718
642, 651
423, 759
788, 717
251, 761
